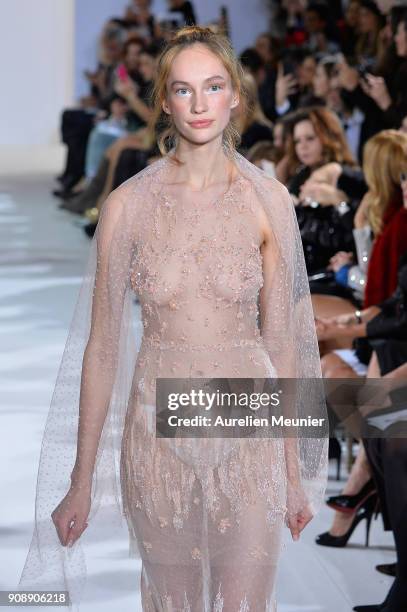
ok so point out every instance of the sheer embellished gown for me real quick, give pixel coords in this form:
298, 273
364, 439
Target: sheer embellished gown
206, 515
207, 519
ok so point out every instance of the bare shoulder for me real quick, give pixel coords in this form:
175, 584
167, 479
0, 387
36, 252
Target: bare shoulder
273, 202
134, 192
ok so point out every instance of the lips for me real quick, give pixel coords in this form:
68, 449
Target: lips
201, 124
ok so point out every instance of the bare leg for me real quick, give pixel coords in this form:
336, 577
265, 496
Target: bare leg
326, 306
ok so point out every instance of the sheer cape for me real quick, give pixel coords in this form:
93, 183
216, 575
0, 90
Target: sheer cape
96, 375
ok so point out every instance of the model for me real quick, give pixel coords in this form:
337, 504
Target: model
211, 247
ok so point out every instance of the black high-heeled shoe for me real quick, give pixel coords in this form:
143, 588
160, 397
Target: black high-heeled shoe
351, 503
389, 569
365, 511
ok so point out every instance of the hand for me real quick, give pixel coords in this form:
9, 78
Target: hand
376, 88
348, 78
334, 327
127, 89
323, 193
71, 514
299, 511
329, 174
286, 85
325, 329
340, 259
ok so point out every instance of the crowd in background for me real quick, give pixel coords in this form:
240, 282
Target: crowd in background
327, 116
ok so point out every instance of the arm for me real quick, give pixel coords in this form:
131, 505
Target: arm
101, 352
288, 332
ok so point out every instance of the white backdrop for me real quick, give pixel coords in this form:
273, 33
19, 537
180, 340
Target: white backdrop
46, 44
36, 68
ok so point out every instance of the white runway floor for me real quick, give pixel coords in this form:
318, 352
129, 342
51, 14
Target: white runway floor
42, 255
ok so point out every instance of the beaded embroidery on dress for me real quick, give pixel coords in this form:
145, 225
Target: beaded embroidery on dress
205, 516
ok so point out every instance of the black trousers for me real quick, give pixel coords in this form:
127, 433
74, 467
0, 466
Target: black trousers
388, 461
130, 162
76, 125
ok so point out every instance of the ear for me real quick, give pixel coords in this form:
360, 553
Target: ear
165, 107
235, 101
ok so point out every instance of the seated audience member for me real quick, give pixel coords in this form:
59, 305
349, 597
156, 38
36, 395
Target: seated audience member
141, 20
104, 133
294, 84
371, 22
77, 123
380, 468
327, 91
350, 30
185, 8
380, 91
324, 212
269, 49
250, 120
322, 36
382, 218
265, 80
101, 185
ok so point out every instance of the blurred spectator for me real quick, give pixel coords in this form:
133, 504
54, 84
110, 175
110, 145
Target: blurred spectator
250, 121
77, 124
371, 21
265, 79
350, 30
385, 164
105, 133
141, 20
102, 183
321, 34
185, 8
294, 84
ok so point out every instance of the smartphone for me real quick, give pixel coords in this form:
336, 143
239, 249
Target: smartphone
122, 73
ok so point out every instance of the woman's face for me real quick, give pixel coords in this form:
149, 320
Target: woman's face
132, 56
352, 14
146, 66
368, 21
401, 40
263, 48
320, 82
308, 146
199, 94
403, 181
306, 72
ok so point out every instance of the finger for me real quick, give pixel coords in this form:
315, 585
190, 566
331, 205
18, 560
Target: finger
63, 526
295, 532
75, 532
303, 521
280, 70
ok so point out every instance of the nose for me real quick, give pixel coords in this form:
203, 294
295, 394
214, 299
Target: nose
199, 103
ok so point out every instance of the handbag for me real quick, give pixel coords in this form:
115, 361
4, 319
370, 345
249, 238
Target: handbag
325, 227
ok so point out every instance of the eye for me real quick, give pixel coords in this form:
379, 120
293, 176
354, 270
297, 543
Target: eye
219, 87
182, 90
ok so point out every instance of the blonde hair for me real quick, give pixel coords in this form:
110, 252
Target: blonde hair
222, 48
384, 159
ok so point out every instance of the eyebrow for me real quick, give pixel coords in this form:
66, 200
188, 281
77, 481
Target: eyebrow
212, 78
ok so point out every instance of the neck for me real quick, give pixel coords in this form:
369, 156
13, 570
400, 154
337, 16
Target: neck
203, 165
